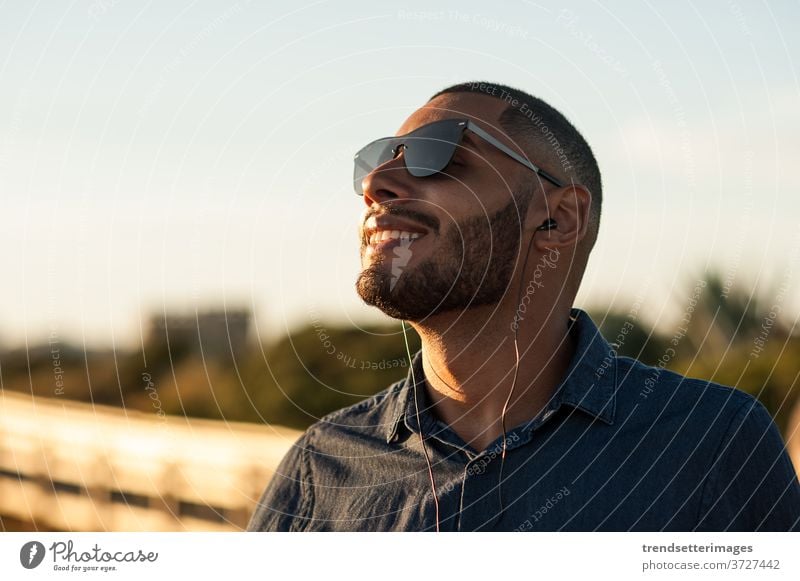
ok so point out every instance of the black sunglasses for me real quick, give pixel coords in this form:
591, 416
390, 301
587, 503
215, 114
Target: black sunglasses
428, 150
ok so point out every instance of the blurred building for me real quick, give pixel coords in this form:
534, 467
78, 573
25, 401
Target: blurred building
213, 333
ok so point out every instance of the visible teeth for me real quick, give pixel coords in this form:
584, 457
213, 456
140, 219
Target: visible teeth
403, 235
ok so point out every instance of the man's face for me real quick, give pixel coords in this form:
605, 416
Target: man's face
460, 231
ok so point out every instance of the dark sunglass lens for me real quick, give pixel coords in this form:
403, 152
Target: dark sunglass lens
430, 149
426, 151
371, 156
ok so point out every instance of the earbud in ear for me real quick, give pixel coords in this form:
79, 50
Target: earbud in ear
548, 224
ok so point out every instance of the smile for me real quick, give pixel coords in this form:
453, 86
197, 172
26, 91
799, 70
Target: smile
383, 235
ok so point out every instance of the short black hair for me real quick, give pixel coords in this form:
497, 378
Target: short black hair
530, 121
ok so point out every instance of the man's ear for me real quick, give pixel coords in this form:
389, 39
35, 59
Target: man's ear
569, 206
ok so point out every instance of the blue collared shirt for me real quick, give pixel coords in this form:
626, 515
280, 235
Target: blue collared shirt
620, 446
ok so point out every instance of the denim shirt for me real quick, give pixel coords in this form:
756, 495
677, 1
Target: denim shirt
620, 446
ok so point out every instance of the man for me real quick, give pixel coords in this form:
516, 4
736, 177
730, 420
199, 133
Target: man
516, 414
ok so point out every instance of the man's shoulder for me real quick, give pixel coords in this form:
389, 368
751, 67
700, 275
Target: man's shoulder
666, 391
366, 416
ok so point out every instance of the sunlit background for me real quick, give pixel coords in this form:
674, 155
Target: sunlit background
179, 223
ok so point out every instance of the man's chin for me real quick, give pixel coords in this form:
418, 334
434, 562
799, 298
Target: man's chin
376, 289
373, 288
419, 295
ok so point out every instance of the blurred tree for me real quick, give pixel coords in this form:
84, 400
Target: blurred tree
735, 337
637, 342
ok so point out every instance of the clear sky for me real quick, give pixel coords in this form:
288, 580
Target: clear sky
178, 155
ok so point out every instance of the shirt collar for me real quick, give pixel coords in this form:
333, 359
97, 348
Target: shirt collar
589, 384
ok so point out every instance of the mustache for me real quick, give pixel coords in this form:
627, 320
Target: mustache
401, 212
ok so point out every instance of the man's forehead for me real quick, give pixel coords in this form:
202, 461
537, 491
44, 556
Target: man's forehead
482, 109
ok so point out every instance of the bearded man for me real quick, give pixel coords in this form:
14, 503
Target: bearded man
516, 414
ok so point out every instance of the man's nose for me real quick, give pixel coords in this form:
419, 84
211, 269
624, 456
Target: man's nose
386, 182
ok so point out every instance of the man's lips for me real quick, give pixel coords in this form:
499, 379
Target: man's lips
385, 240
381, 232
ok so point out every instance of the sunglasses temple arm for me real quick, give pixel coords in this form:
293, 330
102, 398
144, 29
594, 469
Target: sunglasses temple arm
511, 153
550, 178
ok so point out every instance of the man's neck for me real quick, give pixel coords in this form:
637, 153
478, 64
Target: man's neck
469, 363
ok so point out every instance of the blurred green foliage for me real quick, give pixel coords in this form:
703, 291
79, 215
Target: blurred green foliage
726, 336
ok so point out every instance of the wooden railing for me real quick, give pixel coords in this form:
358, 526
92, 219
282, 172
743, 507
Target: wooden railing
72, 466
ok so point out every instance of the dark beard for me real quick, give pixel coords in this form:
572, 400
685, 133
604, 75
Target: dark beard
473, 266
